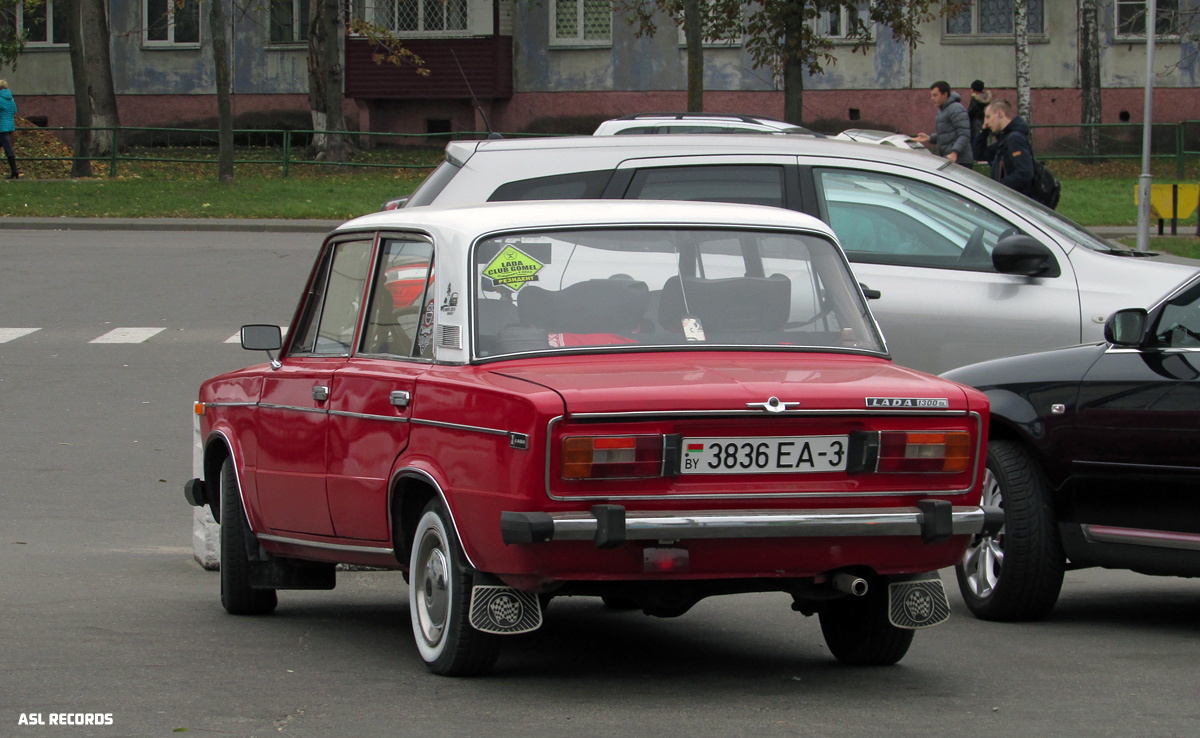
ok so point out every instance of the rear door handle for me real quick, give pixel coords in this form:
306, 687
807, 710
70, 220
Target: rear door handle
320, 393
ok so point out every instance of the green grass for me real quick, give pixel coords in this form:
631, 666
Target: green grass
1188, 246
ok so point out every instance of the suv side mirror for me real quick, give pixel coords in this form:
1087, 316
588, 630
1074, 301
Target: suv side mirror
262, 337
1026, 256
1126, 327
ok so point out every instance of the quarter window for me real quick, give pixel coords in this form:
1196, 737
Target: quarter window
884, 219
581, 22
993, 18
753, 185
171, 22
575, 186
289, 21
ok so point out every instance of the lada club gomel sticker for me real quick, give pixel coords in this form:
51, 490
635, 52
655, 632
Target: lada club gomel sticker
909, 403
513, 268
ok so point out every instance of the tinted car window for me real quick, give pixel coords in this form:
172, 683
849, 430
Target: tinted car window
575, 186
885, 219
1179, 324
433, 185
752, 185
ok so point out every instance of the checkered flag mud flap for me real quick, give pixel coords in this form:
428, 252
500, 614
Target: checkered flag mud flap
917, 604
504, 610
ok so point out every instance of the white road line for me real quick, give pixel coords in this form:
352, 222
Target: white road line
237, 337
8, 334
128, 335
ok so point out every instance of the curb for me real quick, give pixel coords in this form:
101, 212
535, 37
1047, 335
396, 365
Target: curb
216, 225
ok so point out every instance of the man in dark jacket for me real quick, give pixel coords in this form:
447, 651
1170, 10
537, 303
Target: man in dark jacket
952, 127
1010, 155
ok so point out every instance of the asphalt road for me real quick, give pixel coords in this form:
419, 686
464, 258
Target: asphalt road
103, 610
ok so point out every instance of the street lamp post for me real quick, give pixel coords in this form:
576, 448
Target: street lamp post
1143, 234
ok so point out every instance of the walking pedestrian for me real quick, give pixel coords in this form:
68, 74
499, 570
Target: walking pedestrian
980, 97
1010, 155
8, 124
952, 127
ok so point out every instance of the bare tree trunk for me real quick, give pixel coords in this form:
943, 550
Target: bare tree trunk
325, 78
1089, 74
1021, 28
218, 27
81, 163
693, 30
793, 68
101, 92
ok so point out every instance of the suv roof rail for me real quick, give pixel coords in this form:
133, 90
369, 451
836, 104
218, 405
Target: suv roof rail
683, 116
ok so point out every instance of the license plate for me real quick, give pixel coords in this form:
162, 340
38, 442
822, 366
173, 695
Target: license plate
764, 455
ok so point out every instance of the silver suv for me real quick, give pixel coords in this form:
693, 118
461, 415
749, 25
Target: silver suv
967, 269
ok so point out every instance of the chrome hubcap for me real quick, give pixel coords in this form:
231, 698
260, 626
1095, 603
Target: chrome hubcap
984, 558
433, 604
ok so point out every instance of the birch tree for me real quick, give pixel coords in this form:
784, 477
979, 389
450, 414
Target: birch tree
1021, 33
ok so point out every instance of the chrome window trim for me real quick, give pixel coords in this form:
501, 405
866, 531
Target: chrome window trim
325, 546
979, 460
460, 426
410, 471
368, 416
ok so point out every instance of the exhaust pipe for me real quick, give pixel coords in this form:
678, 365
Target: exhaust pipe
849, 584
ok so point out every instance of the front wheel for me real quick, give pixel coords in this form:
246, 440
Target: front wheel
1017, 573
439, 599
858, 631
237, 596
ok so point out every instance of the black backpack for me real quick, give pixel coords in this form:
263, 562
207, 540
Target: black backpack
1046, 188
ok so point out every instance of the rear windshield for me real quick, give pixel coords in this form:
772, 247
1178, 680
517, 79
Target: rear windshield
689, 289
433, 185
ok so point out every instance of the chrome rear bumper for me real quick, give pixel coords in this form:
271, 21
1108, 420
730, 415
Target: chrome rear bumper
610, 525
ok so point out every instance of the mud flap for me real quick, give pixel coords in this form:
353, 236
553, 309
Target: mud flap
504, 610
918, 603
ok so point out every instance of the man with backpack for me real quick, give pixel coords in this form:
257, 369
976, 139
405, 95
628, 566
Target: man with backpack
1011, 157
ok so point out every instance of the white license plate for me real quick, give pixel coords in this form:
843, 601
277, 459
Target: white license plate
764, 454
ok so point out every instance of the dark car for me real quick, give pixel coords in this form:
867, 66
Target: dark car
1094, 454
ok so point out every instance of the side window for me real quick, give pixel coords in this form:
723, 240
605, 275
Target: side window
749, 184
574, 186
1179, 324
884, 219
394, 315
331, 314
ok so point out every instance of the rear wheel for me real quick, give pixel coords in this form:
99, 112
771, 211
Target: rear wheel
858, 632
439, 600
1017, 573
237, 596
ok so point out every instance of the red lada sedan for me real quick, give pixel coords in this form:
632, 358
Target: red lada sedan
647, 402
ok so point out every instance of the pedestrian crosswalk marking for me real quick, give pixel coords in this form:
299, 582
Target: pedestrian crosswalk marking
128, 335
8, 334
237, 337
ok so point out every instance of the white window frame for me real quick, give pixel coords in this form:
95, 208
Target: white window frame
578, 40
49, 43
370, 10
1126, 37
299, 32
169, 42
844, 18
976, 35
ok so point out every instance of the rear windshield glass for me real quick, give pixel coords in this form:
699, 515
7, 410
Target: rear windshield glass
629, 289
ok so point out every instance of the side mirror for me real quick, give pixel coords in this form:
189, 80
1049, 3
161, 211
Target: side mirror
1126, 327
262, 337
869, 293
1026, 256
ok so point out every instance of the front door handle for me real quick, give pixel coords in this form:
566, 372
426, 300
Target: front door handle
400, 398
320, 393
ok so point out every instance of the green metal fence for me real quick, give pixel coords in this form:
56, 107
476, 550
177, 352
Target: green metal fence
1097, 141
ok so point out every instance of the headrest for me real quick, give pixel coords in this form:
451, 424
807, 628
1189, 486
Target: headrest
733, 304
594, 306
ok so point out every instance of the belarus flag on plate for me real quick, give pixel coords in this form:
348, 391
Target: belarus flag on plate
693, 448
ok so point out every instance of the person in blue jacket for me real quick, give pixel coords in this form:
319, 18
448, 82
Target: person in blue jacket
8, 124
1010, 155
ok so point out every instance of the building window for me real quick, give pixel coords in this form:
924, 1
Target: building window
414, 17
172, 22
840, 22
993, 18
44, 26
581, 22
1131, 18
289, 21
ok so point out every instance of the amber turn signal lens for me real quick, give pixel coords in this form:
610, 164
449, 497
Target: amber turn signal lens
199, 408
945, 452
612, 457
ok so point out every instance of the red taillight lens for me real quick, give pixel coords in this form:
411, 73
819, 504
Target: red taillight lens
941, 452
612, 457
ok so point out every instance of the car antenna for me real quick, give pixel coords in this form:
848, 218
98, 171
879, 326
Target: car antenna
486, 123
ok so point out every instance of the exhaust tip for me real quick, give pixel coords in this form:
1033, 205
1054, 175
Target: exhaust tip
850, 584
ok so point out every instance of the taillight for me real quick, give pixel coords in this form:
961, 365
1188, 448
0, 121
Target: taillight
945, 452
612, 457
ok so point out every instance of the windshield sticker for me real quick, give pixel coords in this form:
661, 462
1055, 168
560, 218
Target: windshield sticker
692, 329
909, 403
513, 268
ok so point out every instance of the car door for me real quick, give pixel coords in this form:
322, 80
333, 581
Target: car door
1138, 427
927, 248
372, 395
292, 416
